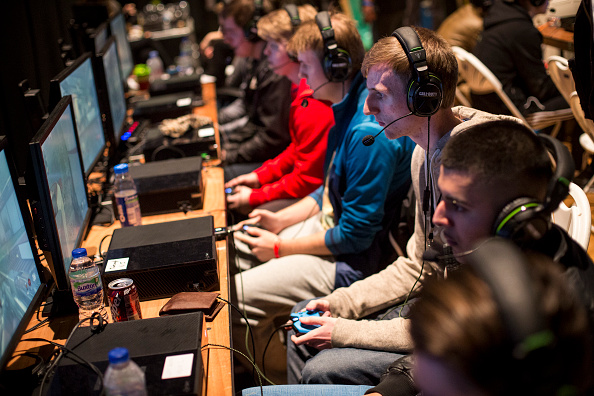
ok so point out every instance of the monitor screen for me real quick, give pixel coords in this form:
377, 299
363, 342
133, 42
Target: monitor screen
20, 283
99, 36
78, 80
118, 29
59, 203
114, 87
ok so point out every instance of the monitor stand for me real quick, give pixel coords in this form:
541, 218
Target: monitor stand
60, 303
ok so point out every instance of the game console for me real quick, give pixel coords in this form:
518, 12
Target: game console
300, 327
167, 84
160, 107
196, 142
168, 186
168, 350
164, 259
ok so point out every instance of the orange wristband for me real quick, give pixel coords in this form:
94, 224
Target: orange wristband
277, 248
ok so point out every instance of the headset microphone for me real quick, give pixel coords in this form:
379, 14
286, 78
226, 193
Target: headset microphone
370, 139
304, 103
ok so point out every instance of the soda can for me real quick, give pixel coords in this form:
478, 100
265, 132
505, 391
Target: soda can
123, 300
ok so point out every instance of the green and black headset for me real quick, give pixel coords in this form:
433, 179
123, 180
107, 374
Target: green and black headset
525, 218
251, 29
424, 90
337, 62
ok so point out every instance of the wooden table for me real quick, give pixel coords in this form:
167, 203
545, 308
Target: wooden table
557, 37
217, 362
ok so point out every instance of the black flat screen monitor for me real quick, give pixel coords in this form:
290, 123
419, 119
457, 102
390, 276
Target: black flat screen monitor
117, 26
99, 36
57, 190
21, 286
111, 91
78, 80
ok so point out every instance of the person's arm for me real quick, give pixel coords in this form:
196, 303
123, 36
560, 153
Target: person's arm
300, 169
369, 172
268, 125
527, 54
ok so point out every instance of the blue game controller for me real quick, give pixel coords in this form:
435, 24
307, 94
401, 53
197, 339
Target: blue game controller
304, 328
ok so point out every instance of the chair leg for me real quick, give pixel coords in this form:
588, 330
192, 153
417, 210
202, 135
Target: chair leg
556, 129
589, 184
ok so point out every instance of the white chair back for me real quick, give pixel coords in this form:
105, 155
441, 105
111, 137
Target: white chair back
561, 75
576, 219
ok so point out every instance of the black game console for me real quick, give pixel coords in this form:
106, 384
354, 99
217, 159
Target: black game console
197, 142
164, 259
174, 105
168, 186
154, 344
181, 83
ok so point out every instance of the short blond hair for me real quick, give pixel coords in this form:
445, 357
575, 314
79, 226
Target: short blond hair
277, 25
308, 37
440, 60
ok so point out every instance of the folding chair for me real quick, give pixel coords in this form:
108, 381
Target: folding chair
482, 81
576, 219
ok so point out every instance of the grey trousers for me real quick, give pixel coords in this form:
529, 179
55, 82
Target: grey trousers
266, 292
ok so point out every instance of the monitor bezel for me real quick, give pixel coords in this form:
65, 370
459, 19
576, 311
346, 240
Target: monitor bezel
41, 194
56, 95
101, 29
44, 277
112, 135
129, 48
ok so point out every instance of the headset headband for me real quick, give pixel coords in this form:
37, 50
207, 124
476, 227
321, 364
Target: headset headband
409, 39
293, 15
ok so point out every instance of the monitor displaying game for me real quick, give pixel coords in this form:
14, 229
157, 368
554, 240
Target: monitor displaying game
78, 80
21, 286
117, 26
111, 91
99, 36
57, 190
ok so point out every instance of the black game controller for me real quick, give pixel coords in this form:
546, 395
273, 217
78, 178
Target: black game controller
300, 327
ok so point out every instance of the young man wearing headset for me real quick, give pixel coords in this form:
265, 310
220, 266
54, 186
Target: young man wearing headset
255, 127
495, 179
400, 84
340, 232
299, 169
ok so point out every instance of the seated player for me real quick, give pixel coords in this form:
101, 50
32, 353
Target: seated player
255, 127
340, 232
299, 169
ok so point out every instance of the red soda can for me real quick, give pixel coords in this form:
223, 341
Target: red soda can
123, 300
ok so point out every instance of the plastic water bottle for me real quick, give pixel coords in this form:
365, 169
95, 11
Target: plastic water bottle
123, 377
126, 197
155, 63
87, 288
185, 62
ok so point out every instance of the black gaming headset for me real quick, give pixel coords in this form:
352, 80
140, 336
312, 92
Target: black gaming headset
251, 29
293, 15
337, 62
504, 267
424, 92
524, 218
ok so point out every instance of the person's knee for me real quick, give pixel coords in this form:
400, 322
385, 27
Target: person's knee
322, 368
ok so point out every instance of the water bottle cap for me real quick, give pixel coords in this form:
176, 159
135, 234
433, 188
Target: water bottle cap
153, 54
80, 252
120, 168
118, 355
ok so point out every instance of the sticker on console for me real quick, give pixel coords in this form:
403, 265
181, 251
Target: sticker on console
118, 264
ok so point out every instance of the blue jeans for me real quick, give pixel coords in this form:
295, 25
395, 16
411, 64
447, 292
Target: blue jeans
350, 366
307, 390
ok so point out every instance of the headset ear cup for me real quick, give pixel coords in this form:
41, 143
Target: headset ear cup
424, 99
522, 219
337, 66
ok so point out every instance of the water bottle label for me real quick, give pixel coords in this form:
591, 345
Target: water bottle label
87, 287
129, 210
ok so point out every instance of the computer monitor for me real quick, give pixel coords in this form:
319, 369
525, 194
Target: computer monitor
117, 26
98, 37
111, 91
78, 80
22, 280
57, 190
